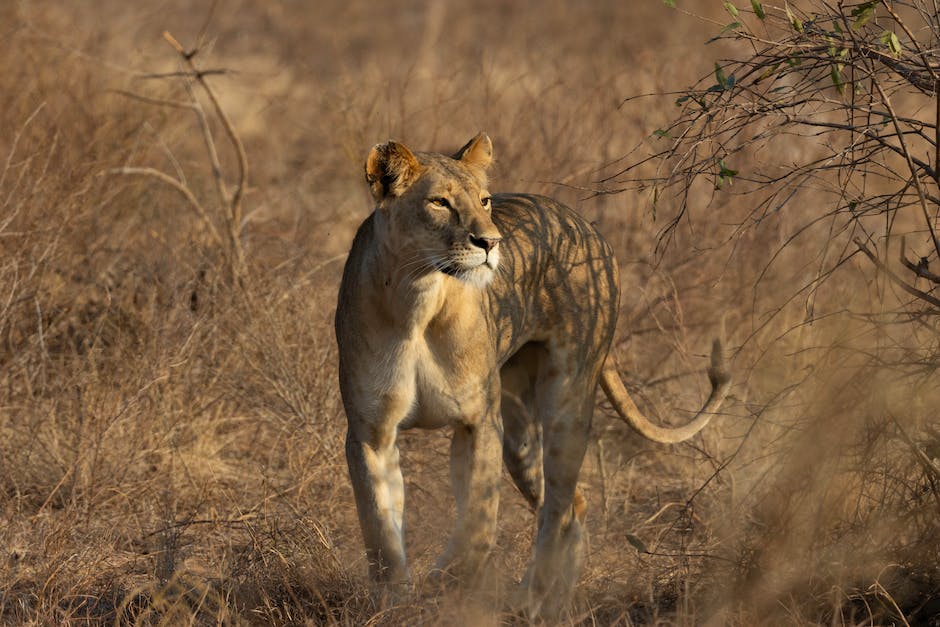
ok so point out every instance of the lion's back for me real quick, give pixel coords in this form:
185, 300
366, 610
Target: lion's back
555, 268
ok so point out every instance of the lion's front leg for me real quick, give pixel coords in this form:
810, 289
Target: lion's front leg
380, 500
476, 464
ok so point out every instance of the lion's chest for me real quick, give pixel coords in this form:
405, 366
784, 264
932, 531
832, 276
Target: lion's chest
432, 364
416, 384
449, 386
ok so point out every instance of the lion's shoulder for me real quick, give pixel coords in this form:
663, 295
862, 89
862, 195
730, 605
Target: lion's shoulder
543, 231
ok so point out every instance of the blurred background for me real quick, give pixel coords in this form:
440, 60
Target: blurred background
171, 434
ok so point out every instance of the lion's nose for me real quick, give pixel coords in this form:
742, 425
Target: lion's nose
486, 243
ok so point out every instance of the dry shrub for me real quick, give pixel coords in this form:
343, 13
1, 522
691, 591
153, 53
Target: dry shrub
154, 413
832, 513
833, 502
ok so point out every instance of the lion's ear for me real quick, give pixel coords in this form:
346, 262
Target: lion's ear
478, 152
390, 169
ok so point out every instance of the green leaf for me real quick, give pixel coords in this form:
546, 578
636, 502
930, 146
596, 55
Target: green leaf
720, 76
835, 73
758, 9
661, 133
794, 21
636, 543
862, 13
895, 44
891, 40
682, 100
725, 174
728, 27
670, 3
731, 26
767, 73
730, 8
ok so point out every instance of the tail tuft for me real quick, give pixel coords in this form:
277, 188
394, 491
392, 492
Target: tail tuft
718, 374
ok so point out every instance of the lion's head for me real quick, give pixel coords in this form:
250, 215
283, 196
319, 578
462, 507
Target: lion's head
438, 208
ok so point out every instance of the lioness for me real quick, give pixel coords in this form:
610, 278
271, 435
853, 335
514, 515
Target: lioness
492, 315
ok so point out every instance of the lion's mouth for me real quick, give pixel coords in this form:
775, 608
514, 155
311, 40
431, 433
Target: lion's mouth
450, 270
470, 274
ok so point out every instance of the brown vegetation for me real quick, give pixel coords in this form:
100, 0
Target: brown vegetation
170, 427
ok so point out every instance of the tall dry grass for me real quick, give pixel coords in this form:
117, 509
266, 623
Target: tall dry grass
171, 435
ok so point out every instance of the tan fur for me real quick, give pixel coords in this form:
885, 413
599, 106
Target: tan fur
493, 318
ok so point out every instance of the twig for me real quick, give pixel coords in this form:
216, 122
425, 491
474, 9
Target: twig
161, 102
194, 73
214, 162
605, 499
929, 465
182, 524
16, 141
920, 51
231, 202
179, 187
910, 164
919, 268
879, 590
895, 278
200, 38
235, 203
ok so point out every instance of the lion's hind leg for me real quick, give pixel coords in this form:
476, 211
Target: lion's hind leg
565, 404
522, 431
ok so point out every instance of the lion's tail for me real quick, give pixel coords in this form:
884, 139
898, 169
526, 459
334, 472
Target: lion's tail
613, 387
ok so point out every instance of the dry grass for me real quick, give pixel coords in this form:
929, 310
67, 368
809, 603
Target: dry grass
171, 435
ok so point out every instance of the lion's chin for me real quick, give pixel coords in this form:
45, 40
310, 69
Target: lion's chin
478, 276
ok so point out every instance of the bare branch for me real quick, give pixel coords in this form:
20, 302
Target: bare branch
161, 102
910, 164
928, 464
211, 151
919, 268
904, 285
195, 74
235, 203
179, 187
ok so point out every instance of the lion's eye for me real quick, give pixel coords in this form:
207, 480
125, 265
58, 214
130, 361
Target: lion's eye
486, 202
443, 203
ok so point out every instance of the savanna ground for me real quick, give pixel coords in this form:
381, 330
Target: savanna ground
171, 434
